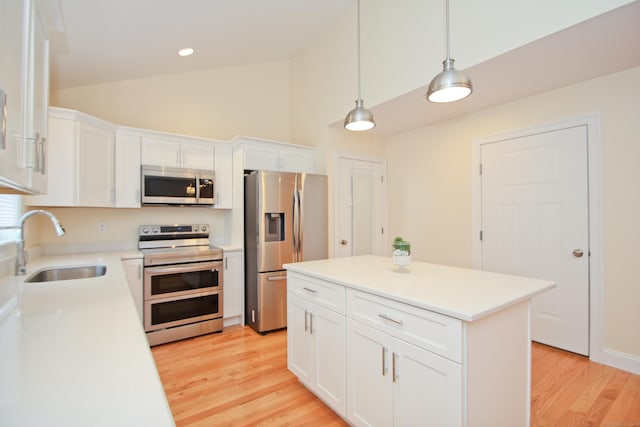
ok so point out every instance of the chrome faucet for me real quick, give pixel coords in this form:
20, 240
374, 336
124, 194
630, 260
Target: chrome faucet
21, 253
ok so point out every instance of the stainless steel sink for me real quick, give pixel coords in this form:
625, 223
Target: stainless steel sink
67, 273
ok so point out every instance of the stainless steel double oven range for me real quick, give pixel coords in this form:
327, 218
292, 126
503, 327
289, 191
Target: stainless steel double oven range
183, 282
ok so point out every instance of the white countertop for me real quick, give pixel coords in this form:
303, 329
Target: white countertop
73, 353
457, 292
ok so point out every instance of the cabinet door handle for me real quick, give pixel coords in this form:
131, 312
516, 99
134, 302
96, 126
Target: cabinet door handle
43, 156
394, 375
3, 119
391, 319
313, 291
310, 323
383, 357
306, 321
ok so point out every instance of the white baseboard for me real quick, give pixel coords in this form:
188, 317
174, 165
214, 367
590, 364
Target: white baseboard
624, 361
232, 321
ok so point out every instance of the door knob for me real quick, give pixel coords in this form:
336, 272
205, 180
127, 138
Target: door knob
343, 242
577, 253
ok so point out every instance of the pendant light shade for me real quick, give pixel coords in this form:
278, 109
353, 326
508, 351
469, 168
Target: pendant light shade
359, 118
451, 84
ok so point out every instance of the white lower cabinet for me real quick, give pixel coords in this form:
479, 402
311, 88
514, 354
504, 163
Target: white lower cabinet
316, 343
404, 364
407, 366
392, 382
370, 393
233, 289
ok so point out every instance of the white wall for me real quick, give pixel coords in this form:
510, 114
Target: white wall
429, 185
218, 103
121, 225
402, 48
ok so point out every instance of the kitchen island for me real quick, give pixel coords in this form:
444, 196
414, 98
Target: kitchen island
74, 353
437, 345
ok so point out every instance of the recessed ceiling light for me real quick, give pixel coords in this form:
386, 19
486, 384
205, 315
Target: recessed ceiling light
185, 52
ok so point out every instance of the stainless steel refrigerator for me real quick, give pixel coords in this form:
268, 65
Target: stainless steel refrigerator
285, 220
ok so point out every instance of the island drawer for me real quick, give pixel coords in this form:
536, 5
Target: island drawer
435, 332
326, 294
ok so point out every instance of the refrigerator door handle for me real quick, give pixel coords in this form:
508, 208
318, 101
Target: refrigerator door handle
294, 226
296, 222
300, 225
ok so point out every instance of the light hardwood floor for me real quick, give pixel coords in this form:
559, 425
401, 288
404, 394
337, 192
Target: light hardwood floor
240, 378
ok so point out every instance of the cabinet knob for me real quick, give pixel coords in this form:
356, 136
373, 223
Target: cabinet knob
344, 242
577, 253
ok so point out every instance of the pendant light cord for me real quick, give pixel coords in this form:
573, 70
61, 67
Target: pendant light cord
358, 29
447, 27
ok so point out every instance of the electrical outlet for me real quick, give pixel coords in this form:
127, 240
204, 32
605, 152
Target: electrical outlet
102, 227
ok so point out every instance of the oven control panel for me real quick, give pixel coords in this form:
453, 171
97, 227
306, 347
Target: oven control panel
173, 230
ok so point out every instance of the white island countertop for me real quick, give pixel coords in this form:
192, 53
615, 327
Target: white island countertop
73, 352
461, 293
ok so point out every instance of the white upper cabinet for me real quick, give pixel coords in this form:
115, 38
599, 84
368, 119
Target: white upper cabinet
224, 176
24, 91
93, 163
37, 101
127, 169
13, 33
178, 152
96, 166
197, 155
81, 161
259, 154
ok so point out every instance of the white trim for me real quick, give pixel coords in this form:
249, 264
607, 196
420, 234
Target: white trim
596, 281
336, 204
624, 361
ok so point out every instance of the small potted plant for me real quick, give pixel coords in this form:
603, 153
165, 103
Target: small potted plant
401, 255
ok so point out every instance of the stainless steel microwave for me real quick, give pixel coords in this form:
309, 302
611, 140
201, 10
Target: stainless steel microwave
175, 186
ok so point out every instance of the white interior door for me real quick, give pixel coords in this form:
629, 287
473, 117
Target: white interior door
360, 207
535, 223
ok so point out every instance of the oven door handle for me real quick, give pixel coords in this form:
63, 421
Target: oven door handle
182, 269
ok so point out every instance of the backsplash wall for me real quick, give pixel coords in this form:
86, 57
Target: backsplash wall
111, 226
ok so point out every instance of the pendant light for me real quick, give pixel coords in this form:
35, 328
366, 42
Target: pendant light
451, 84
359, 118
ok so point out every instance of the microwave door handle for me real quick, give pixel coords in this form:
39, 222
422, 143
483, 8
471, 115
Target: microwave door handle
197, 188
